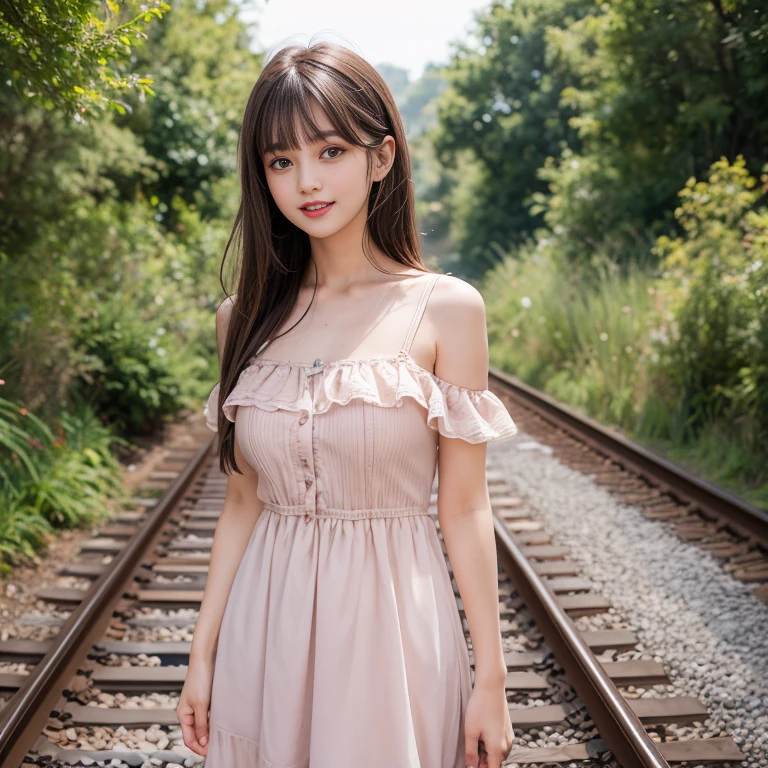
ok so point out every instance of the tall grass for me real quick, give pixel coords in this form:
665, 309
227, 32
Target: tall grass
49, 479
578, 336
603, 340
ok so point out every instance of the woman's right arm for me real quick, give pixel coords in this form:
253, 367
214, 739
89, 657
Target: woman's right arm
239, 515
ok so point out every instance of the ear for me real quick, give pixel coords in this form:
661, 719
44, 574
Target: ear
385, 157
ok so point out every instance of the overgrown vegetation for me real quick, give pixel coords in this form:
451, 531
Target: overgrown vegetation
611, 193
677, 356
116, 200
62, 478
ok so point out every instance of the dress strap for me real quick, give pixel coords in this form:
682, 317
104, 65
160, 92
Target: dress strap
420, 310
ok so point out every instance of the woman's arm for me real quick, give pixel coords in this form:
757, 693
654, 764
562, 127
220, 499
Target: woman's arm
236, 522
465, 515
239, 515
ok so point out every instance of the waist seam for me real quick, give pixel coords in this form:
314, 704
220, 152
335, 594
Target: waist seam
345, 514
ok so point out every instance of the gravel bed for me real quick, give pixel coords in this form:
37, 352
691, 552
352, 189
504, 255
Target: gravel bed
707, 628
521, 634
129, 660
159, 634
75, 582
44, 615
172, 615
176, 625
180, 578
150, 741
94, 697
15, 668
22, 630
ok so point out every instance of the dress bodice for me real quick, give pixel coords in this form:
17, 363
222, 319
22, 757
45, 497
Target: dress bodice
353, 438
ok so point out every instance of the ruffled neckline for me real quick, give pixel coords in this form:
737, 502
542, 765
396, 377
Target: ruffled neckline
402, 355
475, 415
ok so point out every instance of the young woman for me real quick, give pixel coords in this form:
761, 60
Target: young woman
328, 633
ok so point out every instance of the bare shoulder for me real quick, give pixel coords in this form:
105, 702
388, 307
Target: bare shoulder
457, 312
453, 296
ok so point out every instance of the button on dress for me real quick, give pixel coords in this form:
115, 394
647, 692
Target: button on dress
341, 644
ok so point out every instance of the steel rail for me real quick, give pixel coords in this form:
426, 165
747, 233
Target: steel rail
26, 713
748, 521
618, 726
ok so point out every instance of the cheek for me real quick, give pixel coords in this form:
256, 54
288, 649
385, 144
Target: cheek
278, 187
352, 180
274, 185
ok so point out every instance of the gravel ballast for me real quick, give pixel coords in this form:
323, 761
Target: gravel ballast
709, 629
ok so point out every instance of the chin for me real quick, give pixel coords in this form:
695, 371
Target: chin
321, 229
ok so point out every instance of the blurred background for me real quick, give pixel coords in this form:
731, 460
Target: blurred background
597, 169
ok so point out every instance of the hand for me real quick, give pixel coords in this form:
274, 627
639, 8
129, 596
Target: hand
487, 720
194, 702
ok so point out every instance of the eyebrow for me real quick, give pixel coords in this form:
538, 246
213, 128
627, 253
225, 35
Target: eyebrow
279, 146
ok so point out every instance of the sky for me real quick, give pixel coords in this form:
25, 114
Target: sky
406, 33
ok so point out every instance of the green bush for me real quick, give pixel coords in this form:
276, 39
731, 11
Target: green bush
677, 357
713, 367
49, 481
130, 379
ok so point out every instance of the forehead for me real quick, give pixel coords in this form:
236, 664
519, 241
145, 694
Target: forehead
295, 126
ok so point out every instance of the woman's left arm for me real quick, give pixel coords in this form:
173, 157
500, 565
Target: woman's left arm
466, 521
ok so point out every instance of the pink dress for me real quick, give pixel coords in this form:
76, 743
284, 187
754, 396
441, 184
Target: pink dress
341, 645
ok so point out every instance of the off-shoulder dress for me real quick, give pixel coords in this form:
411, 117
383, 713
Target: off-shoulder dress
341, 645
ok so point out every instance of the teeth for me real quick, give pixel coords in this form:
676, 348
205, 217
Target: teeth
315, 207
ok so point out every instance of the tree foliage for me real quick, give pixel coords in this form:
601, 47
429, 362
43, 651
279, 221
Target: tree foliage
74, 55
715, 364
587, 117
111, 229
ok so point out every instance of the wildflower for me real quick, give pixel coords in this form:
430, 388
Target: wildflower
603, 336
515, 332
36, 443
23, 411
526, 302
2, 381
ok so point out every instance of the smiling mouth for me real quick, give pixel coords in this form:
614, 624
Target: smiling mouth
315, 207
315, 213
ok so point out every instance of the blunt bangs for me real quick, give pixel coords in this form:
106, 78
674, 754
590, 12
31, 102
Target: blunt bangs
287, 122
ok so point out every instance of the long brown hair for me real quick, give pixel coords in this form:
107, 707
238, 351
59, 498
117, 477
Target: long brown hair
274, 252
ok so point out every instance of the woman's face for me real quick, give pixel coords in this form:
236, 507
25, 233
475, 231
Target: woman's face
328, 171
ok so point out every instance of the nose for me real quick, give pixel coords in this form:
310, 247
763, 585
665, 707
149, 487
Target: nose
308, 180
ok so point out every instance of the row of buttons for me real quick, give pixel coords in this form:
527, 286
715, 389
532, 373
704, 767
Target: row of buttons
303, 420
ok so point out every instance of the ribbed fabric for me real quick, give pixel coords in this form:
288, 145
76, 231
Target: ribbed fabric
341, 645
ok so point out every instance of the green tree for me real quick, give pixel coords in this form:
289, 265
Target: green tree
649, 116
588, 117
204, 70
502, 113
74, 55
106, 228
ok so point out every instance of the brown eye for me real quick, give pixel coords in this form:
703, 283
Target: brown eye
334, 149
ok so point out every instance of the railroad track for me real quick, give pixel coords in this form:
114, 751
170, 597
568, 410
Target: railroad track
722, 524
103, 688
